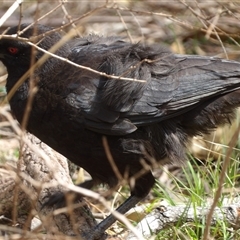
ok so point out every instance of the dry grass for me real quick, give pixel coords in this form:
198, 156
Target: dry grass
189, 27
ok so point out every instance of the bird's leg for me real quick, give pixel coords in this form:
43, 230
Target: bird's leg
98, 232
142, 187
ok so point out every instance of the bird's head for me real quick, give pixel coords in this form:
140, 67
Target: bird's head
15, 50
19, 48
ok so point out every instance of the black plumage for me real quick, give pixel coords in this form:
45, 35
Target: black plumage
181, 96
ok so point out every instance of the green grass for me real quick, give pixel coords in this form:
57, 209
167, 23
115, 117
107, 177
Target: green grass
196, 184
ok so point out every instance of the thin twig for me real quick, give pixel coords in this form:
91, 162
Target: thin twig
221, 182
10, 11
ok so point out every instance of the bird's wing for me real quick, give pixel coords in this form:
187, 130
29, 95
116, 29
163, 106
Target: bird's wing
104, 101
191, 81
173, 84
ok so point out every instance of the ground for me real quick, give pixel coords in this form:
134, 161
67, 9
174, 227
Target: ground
188, 27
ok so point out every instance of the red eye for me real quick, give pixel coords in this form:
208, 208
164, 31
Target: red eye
13, 50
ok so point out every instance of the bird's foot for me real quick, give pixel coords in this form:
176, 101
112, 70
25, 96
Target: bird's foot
97, 233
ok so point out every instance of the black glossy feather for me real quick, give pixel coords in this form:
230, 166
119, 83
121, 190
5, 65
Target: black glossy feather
181, 96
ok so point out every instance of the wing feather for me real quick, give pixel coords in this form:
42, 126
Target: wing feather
174, 84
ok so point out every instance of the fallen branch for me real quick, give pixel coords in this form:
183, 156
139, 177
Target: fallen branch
165, 216
25, 189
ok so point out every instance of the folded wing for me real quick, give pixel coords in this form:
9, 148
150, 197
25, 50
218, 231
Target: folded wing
173, 84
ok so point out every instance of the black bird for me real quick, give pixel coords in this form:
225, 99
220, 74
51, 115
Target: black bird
181, 96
